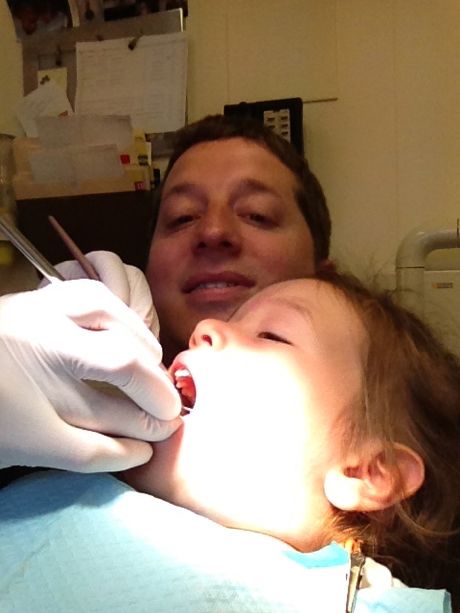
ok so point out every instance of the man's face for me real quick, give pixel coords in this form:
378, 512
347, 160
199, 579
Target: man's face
271, 387
229, 225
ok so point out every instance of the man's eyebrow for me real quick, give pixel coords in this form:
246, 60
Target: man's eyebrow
249, 186
186, 188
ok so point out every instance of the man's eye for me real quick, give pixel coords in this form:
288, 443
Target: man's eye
270, 336
257, 217
260, 219
181, 220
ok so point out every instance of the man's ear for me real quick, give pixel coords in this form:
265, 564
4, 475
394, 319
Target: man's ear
370, 483
326, 266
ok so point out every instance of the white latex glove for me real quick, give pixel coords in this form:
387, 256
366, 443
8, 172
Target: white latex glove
52, 339
125, 281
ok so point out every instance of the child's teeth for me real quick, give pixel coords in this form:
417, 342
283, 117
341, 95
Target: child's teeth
182, 372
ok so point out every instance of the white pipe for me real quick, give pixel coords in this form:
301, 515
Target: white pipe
410, 262
418, 244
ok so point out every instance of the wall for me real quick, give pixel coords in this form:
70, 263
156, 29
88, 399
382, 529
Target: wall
10, 72
386, 151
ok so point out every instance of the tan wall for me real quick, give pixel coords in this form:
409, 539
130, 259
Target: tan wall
386, 151
10, 72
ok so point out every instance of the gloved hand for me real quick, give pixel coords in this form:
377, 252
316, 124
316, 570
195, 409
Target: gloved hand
125, 281
51, 340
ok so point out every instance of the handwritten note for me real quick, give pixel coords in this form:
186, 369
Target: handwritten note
147, 82
48, 99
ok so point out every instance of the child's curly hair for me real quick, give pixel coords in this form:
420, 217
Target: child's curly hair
411, 395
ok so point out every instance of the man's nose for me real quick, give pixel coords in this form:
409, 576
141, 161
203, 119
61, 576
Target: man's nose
210, 332
218, 229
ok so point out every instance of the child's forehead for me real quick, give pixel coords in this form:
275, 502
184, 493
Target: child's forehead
322, 304
296, 293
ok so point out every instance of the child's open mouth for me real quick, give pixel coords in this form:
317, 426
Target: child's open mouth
186, 388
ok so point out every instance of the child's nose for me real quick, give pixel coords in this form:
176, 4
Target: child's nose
211, 332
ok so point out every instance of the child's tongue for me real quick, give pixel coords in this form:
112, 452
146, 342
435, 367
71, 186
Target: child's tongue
186, 387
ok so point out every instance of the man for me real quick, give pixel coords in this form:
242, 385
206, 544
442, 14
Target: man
238, 210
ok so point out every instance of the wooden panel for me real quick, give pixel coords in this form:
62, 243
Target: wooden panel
118, 222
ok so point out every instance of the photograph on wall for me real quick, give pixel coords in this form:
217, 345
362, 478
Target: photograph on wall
121, 9
39, 17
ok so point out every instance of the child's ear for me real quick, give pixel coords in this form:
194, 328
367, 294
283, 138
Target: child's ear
369, 483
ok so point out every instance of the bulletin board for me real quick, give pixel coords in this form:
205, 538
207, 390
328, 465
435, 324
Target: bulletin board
118, 222
58, 49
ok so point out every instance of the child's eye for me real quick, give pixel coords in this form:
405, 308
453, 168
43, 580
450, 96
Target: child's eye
270, 336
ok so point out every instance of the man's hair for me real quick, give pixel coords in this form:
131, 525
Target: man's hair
309, 194
410, 395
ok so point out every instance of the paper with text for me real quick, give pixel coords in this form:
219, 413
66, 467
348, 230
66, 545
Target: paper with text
47, 100
147, 82
75, 164
84, 130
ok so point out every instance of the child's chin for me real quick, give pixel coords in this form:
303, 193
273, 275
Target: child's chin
158, 472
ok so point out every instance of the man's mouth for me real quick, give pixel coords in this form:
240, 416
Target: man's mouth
216, 281
186, 387
214, 285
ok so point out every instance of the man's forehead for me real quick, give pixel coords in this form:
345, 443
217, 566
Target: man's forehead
236, 147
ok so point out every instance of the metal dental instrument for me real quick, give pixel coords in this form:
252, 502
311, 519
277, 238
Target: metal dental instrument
29, 251
75, 250
357, 560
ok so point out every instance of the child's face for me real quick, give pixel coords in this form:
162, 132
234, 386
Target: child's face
271, 385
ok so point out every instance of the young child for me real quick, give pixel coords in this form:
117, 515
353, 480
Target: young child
321, 412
